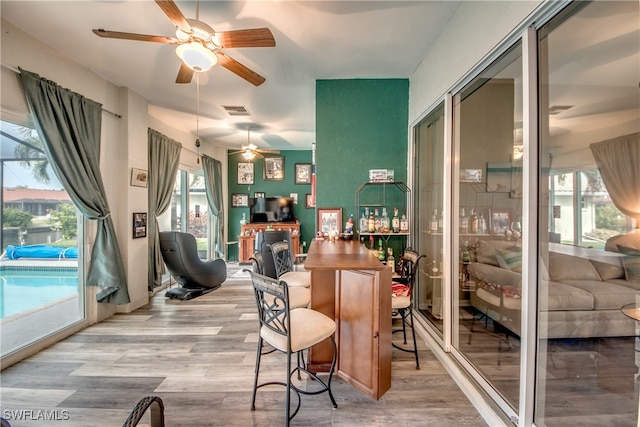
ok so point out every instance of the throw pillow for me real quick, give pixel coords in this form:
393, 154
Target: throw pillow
400, 290
510, 259
631, 263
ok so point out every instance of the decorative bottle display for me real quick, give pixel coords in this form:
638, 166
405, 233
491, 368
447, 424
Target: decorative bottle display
384, 221
395, 222
371, 226
464, 222
376, 227
363, 222
404, 224
433, 227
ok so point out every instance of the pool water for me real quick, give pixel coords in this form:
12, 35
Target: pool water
26, 289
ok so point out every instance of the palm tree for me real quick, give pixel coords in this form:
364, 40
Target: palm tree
29, 149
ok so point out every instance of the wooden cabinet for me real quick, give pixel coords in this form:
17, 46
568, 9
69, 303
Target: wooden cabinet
350, 285
247, 239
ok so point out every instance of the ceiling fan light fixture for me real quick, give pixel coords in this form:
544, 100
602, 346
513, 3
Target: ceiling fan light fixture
196, 56
248, 154
182, 36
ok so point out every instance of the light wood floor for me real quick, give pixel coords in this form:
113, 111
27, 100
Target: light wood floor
198, 356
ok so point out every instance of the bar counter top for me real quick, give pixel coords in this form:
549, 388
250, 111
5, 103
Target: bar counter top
340, 255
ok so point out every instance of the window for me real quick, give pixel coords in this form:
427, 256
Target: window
40, 273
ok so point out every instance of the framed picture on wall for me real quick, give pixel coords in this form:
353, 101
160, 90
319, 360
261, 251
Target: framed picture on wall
500, 221
274, 168
309, 201
139, 225
239, 200
245, 173
329, 219
303, 173
139, 177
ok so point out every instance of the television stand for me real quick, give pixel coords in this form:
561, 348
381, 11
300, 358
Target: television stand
247, 240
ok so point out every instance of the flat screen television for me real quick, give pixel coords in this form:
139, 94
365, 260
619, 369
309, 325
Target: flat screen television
271, 209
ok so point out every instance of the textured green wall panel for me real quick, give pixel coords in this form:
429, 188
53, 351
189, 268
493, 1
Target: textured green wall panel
361, 124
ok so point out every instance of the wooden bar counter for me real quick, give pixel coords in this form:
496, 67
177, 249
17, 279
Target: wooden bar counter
349, 284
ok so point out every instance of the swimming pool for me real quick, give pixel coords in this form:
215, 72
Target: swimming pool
26, 288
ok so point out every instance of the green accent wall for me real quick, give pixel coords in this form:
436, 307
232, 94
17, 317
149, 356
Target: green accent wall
284, 188
361, 124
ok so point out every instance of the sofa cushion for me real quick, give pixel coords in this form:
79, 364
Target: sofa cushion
566, 267
631, 263
606, 295
555, 296
510, 259
486, 252
609, 268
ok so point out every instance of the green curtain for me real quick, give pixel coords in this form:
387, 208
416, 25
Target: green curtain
69, 126
164, 156
213, 184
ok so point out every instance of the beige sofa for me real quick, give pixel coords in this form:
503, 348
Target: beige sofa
579, 296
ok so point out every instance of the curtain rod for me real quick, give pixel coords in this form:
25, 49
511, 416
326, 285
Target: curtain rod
15, 70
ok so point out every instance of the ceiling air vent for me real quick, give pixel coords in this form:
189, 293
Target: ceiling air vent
236, 110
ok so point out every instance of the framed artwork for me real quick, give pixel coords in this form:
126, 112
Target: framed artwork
245, 173
239, 200
274, 168
329, 219
470, 175
139, 177
303, 173
294, 196
310, 202
258, 195
500, 221
498, 177
139, 225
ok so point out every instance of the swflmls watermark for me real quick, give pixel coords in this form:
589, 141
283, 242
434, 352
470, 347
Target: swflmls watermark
36, 414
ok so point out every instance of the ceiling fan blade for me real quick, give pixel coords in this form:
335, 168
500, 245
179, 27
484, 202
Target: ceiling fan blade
258, 37
185, 74
173, 13
268, 151
235, 67
133, 36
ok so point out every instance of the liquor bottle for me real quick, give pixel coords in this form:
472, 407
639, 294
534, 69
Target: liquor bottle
377, 221
464, 222
395, 222
391, 261
384, 221
371, 226
434, 222
435, 271
381, 255
473, 222
364, 223
404, 224
482, 225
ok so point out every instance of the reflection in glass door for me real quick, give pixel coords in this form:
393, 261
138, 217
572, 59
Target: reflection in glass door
429, 178
487, 239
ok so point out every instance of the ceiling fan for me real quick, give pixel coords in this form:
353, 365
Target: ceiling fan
250, 151
199, 46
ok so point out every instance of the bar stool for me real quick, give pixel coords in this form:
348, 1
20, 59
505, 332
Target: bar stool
290, 331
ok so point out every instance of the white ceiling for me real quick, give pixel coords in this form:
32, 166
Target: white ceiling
314, 40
